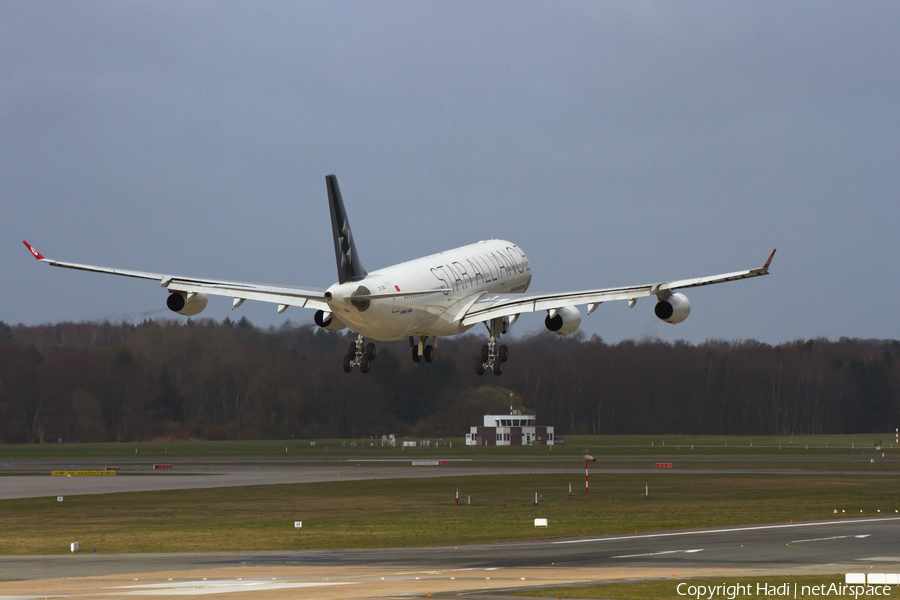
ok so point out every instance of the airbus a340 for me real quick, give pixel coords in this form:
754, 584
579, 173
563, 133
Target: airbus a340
439, 295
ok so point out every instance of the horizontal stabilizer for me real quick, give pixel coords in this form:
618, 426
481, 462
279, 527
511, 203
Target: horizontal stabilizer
398, 294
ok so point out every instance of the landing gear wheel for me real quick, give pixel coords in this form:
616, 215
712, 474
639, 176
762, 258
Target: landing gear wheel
365, 365
347, 366
480, 368
370, 351
498, 367
352, 349
415, 353
503, 353
429, 353
484, 353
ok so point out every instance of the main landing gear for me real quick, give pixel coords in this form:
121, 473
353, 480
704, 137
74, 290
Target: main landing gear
493, 355
361, 355
421, 350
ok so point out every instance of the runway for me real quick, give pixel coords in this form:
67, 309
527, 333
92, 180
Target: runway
482, 570
32, 479
840, 546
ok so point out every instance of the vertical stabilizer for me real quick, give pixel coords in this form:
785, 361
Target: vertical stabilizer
348, 265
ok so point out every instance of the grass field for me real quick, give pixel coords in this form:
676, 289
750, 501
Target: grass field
421, 512
600, 446
414, 512
668, 590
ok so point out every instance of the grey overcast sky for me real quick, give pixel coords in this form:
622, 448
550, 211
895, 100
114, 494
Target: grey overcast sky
615, 142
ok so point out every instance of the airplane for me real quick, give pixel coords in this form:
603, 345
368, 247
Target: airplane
435, 296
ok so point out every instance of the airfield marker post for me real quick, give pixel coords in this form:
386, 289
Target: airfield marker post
585, 478
457, 495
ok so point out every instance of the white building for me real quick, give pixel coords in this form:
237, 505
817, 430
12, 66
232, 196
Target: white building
509, 430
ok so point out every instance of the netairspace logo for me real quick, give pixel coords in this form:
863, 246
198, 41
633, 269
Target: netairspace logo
783, 590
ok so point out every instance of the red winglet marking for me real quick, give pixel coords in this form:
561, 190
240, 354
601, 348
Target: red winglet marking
769, 262
397, 287
31, 248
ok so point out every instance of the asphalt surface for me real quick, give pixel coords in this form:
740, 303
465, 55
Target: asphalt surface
752, 546
32, 479
852, 544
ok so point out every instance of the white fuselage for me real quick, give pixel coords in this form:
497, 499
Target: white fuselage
467, 274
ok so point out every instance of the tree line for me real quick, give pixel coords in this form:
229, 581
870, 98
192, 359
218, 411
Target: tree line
202, 379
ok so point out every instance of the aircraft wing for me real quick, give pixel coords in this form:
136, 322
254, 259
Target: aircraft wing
240, 291
492, 306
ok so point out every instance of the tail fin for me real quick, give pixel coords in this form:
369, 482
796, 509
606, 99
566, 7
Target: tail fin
348, 265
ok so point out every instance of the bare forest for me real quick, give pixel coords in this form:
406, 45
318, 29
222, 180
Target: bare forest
202, 379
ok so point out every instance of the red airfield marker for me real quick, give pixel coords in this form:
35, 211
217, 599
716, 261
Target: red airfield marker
587, 458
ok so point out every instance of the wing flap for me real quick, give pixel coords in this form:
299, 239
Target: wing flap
282, 296
505, 305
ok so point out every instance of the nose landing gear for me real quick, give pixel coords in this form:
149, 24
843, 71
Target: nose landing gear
360, 355
493, 355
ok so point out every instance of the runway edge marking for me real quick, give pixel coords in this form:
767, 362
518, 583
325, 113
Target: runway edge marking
733, 529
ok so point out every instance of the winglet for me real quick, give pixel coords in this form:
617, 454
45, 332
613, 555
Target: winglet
32, 249
769, 262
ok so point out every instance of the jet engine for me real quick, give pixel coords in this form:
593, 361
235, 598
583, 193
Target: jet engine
565, 321
673, 309
327, 320
186, 304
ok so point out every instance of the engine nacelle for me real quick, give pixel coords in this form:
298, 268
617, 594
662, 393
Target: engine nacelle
327, 320
187, 304
566, 321
674, 309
